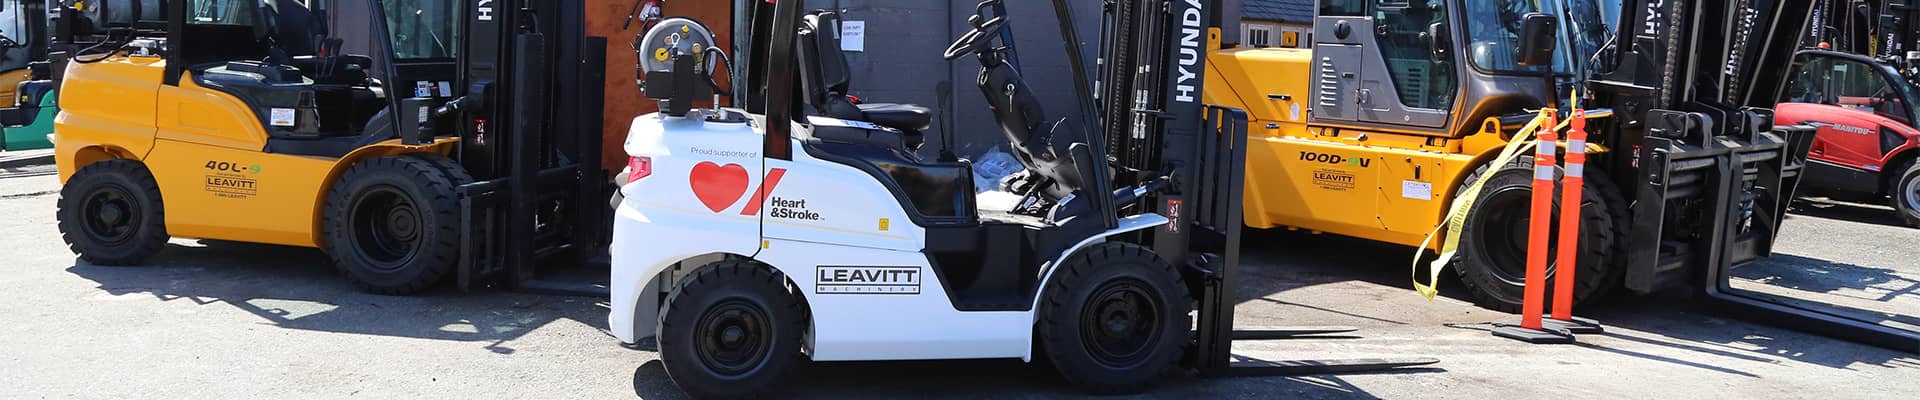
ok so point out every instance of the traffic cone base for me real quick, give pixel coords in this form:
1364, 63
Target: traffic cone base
1578, 326
1546, 335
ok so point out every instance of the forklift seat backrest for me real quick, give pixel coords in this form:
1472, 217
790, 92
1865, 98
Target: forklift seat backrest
292, 26
824, 71
825, 77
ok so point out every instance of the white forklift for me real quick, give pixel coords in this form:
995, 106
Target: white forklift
804, 225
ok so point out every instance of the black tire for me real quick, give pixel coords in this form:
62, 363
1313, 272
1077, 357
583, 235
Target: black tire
731, 330
110, 213
455, 173
392, 224
1117, 285
1491, 262
1904, 190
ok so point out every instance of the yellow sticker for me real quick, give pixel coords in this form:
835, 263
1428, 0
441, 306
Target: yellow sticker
766, 244
883, 224
683, 29
660, 54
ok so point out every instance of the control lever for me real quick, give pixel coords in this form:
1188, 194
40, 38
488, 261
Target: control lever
452, 107
1095, 183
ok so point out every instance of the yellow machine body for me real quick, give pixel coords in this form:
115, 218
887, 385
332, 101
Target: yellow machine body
1386, 185
205, 148
10, 83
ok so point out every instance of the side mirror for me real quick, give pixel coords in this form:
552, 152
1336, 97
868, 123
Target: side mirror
1440, 39
1537, 32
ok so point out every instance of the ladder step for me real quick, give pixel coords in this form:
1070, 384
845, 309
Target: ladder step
1288, 332
1320, 367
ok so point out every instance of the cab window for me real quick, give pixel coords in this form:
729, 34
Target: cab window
1851, 84
1403, 30
423, 29
222, 12
1493, 34
13, 37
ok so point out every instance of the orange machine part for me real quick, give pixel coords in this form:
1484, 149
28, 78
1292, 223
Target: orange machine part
623, 98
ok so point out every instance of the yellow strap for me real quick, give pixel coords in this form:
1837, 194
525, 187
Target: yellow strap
1462, 203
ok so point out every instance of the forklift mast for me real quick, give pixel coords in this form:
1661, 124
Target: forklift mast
1884, 30
530, 93
1150, 125
1693, 83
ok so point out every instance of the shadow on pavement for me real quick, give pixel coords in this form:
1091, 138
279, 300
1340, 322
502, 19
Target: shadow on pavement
1874, 213
1672, 320
1280, 261
1825, 277
1001, 379
297, 288
1277, 261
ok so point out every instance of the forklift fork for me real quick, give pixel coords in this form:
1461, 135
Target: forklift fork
1704, 209
1219, 167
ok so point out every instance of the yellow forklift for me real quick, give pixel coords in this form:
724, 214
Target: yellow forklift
1399, 108
460, 148
1379, 128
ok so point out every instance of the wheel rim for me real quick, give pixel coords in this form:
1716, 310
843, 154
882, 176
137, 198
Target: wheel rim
386, 227
110, 215
1119, 324
733, 338
1913, 194
1502, 232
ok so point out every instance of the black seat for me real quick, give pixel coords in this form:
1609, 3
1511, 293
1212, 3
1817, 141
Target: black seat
906, 117
343, 94
825, 79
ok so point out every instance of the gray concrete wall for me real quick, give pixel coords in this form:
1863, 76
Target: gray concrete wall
902, 62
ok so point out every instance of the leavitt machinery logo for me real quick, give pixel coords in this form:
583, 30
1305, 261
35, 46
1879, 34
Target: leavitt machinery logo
232, 180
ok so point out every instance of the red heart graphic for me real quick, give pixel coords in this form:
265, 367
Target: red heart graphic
718, 186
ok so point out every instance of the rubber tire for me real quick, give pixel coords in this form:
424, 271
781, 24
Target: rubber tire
1601, 233
455, 173
708, 286
429, 187
1907, 181
130, 175
1069, 291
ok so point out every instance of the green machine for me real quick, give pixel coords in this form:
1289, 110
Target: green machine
26, 77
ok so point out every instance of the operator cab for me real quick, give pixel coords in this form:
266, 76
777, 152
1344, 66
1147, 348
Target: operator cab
882, 138
1441, 68
279, 58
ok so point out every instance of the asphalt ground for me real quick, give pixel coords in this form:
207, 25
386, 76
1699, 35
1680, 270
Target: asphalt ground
211, 319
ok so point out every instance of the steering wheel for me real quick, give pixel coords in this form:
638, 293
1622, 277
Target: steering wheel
975, 39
